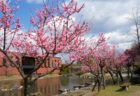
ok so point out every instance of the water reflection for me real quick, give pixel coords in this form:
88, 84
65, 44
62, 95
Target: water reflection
10, 88
69, 82
49, 86
45, 86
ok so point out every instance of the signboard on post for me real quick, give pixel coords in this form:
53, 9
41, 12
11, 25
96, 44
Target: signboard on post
28, 64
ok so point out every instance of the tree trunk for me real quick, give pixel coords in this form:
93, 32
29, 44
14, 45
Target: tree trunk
25, 84
30, 87
120, 74
131, 71
111, 74
94, 85
99, 84
138, 36
128, 72
103, 78
117, 78
4, 41
33, 87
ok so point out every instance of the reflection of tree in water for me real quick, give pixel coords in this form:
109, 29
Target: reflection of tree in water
69, 81
9, 93
43, 87
64, 81
33, 88
9, 88
49, 86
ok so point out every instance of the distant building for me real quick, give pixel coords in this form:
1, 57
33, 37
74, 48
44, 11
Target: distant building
6, 68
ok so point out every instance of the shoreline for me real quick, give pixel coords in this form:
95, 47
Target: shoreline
111, 90
86, 91
18, 77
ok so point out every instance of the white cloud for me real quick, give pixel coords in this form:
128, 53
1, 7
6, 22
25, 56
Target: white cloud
120, 39
117, 36
113, 17
119, 20
124, 46
109, 14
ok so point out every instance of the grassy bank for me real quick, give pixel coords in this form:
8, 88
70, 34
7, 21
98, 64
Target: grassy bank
17, 77
50, 76
13, 77
134, 90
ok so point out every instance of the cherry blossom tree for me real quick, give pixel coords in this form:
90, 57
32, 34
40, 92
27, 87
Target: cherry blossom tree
120, 61
9, 27
102, 58
54, 31
102, 55
93, 59
130, 60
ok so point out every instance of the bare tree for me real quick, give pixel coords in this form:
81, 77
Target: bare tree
136, 20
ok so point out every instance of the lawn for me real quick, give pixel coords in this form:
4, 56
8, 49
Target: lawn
134, 90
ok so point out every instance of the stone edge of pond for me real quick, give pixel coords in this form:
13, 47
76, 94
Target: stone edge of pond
79, 92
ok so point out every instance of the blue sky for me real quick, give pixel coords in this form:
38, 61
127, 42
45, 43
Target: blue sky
27, 8
112, 17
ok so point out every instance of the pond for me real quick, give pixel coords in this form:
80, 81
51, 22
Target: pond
45, 86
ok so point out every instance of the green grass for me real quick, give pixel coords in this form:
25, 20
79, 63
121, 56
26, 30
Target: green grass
51, 75
111, 90
134, 90
17, 77
14, 77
